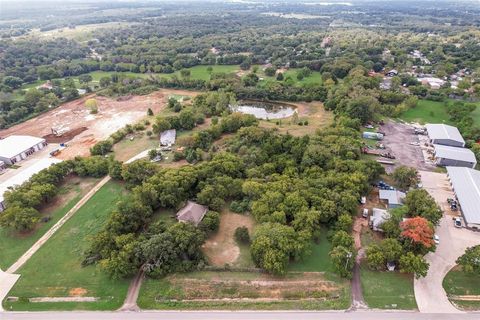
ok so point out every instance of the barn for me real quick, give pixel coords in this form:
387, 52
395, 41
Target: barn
466, 185
455, 157
446, 135
17, 148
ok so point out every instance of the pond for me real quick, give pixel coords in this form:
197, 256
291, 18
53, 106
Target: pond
264, 110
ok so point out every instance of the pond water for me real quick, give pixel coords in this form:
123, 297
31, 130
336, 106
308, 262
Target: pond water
264, 110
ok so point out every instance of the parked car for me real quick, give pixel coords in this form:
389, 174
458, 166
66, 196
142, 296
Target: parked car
365, 213
363, 200
457, 222
436, 239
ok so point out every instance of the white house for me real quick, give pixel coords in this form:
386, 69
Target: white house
17, 148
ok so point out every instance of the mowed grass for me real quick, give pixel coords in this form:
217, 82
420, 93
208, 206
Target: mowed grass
318, 260
457, 282
428, 111
13, 244
56, 271
387, 290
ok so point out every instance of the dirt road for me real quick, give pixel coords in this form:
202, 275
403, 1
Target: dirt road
357, 294
130, 303
88, 129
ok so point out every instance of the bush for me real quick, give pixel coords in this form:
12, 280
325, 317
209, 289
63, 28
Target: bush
239, 206
101, 148
242, 235
210, 222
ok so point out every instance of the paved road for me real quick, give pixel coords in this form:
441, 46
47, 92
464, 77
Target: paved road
429, 292
230, 315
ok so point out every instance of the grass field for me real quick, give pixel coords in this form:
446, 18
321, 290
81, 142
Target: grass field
318, 261
244, 291
457, 282
387, 290
56, 271
428, 111
13, 245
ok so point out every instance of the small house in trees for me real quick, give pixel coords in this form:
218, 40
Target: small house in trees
167, 137
392, 198
192, 212
392, 73
378, 217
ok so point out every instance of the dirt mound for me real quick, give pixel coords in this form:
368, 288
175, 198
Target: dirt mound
65, 137
77, 292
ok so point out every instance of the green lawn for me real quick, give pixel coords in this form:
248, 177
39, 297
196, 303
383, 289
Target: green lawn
13, 245
427, 111
56, 271
318, 261
457, 282
384, 290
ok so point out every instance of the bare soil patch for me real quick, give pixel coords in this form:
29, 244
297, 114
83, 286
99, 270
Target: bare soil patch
222, 248
77, 292
112, 115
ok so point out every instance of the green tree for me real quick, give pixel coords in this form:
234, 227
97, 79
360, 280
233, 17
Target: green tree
415, 264
470, 260
405, 177
343, 260
242, 235
19, 218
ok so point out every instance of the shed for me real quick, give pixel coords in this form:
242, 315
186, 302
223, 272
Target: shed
466, 185
192, 212
445, 135
378, 217
372, 135
167, 137
393, 198
455, 157
17, 148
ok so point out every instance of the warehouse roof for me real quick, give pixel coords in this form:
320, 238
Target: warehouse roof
466, 183
394, 197
26, 174
444, 131
14, 145
460, 154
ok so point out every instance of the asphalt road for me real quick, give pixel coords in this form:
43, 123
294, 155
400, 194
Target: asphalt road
230, 315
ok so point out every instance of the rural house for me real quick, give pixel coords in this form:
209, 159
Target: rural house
167, 137
393, 198
378, 217
192, 212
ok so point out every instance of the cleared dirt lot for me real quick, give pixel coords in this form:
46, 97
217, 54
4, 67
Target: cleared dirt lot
398, 137
222, 248
112, 115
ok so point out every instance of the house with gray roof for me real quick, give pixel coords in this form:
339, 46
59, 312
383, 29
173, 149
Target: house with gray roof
167, 137
466, 185
444, 134
378, 217
393, 198
192, 212
453, 156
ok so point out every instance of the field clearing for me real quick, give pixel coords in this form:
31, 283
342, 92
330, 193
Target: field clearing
244, 290
13, 245
387, 290
428, 111
313, 112
55, 269
79, 33
113, 114
460, 283
318, 260
222, 249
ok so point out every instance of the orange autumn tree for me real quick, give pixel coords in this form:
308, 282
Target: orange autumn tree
418, 230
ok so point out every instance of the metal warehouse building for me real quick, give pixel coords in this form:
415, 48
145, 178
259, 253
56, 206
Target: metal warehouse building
17, 148
445, 135
453, 156
466, 185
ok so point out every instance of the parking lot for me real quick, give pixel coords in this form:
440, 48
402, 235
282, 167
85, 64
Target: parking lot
401, 141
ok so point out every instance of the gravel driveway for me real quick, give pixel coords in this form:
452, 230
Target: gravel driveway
429, 292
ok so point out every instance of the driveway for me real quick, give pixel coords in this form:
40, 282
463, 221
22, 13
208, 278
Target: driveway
429, 292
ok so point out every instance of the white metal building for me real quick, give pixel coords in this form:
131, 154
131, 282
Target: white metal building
453, 156
24, 176
466, 185
17, 148
3, 166
445, 135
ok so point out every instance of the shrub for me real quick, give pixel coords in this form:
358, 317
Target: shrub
210, 222
242, 235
